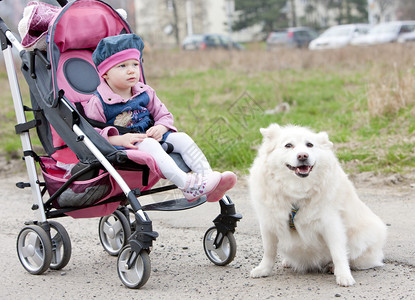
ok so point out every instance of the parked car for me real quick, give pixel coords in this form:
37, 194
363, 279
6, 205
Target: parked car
209, 41
294, 37
385, 33
338, 36
407, 37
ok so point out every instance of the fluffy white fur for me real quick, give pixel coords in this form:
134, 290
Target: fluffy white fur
297, 167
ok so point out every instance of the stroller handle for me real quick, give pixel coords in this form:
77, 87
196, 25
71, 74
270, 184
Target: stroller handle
5, 33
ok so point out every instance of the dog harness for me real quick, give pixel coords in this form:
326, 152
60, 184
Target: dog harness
294, 210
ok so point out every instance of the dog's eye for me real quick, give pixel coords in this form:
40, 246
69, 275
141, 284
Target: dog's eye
289, 145
309, 145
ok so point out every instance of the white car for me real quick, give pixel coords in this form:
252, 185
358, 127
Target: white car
385, 33
407, 37
338, 36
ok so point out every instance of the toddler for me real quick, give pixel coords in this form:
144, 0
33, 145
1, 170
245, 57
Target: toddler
122, 99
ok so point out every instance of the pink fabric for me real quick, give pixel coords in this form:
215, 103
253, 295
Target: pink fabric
64, 155
116, 59
133, 180
63, 84
136, 156
85, 23
35, 23
159, 112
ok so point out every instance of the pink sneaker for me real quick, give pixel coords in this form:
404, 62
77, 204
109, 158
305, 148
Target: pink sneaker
227, 181
198, 185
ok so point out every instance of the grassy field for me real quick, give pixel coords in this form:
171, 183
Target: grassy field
363, 97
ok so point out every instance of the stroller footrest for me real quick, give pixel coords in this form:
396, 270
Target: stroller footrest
174, 205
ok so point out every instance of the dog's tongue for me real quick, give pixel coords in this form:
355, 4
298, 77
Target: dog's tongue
302, 170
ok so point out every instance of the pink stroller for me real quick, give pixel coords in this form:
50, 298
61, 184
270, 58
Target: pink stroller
104, 182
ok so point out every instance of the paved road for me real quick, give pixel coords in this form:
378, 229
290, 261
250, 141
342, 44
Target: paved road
180, 269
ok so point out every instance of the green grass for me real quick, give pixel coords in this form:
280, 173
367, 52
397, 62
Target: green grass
222, 107
223, 111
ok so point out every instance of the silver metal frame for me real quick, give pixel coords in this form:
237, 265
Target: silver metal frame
21, 118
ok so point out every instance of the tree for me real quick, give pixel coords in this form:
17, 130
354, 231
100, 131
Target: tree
274, 14
271, 13
406, 10
349, 11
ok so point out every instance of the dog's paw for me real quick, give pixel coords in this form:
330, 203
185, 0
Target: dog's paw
285, 263
345, 280
260, 272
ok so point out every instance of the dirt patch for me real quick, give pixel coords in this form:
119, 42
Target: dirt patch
374, 181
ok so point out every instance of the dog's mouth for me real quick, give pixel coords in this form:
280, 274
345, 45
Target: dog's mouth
302, 171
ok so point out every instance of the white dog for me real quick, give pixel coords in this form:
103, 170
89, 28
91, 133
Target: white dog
308, 207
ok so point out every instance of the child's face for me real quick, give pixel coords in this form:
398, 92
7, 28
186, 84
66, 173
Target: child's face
124, 75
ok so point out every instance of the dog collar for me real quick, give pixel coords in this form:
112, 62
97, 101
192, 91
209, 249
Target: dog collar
294, 210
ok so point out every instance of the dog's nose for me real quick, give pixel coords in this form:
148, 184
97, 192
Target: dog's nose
302, 156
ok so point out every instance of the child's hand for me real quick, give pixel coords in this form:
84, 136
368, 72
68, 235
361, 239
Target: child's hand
127, 140
156, 132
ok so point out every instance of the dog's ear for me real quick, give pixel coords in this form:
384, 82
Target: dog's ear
270, 132
323, 139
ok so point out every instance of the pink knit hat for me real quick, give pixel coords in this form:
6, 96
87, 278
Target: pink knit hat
116, 59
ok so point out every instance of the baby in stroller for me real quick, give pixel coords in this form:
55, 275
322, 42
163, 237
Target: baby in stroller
104, 181
122, 99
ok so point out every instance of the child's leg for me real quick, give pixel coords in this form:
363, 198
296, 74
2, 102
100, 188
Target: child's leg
192, 185
166, 164
190, 152
197, 162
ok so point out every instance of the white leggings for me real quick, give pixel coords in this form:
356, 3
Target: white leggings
186, 147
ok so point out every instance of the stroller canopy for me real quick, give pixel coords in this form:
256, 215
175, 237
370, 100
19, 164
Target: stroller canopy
81, 25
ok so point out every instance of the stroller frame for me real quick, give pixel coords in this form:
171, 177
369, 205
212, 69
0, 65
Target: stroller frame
54, 250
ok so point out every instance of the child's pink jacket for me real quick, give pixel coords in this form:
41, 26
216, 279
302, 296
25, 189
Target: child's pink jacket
93, 109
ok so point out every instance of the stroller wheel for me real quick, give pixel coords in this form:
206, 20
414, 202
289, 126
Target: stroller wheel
114, 231
137, 275
34, 249
225, 252
61, 246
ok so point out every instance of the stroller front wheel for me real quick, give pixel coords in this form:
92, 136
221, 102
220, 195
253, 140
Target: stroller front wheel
114, 231
34, 249
133, 268
61, 246
222, 253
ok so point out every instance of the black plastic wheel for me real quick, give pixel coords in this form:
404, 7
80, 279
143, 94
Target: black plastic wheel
34, 249
114, 231
136, 276
61, 246
223, 254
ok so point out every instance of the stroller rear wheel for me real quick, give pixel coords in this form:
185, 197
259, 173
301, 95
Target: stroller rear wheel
61, 246
225, 252
133, 268
114, 231
34, 249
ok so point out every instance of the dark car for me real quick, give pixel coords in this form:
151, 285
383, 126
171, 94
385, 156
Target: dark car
209, 41
295, 37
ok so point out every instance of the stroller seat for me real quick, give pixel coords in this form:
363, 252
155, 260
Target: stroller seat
77, 76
